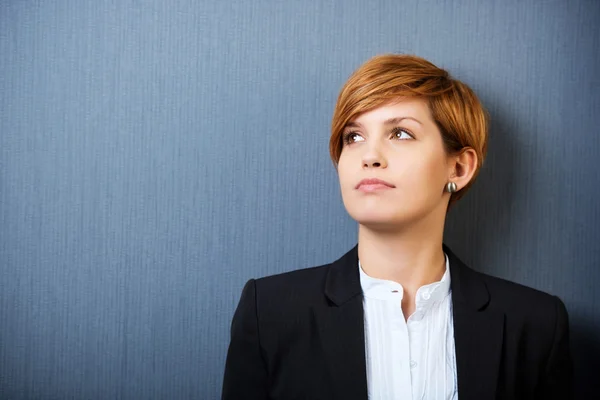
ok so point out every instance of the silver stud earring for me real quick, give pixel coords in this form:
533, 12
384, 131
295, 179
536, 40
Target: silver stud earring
451, 187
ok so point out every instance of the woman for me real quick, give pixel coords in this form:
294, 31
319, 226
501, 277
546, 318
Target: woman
399, 316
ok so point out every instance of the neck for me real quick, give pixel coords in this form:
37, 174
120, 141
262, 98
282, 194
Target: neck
412, 257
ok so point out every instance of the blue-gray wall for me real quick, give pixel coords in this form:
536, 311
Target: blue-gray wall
154, 155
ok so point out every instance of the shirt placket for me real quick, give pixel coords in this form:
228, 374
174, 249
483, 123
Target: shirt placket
417, 337
401, 346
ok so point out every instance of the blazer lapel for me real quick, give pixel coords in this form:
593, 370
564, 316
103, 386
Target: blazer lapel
341, 329
478, 333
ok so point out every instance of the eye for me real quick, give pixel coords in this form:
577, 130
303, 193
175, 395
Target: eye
401, 134
352, 137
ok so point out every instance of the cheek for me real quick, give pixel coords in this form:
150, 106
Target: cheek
346, 185
422, 175
344, 174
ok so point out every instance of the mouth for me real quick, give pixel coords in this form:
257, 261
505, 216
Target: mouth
373, 184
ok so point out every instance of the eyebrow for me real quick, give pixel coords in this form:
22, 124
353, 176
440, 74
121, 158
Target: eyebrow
393, 121
390, 121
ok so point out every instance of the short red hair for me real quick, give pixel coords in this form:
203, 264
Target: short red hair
458, 113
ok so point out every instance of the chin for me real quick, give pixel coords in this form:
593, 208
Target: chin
388, 215
379, 219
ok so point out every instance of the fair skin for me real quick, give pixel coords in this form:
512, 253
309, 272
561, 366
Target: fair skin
401, 223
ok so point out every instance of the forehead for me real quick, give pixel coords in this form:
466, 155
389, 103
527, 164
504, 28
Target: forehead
412, 107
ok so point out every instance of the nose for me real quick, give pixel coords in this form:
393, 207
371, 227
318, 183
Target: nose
373, 158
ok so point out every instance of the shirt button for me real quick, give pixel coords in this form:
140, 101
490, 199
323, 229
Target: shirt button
413, 364
426, 296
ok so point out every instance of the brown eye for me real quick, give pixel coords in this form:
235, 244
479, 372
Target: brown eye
352, 137
401, 134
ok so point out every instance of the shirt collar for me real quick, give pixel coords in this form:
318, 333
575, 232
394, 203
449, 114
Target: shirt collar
389, 290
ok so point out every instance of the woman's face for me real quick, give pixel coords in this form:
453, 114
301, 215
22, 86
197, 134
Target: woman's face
399, 144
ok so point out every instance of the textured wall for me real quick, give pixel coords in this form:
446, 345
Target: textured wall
154, 155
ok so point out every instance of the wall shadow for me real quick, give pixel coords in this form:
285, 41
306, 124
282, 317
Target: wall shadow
478, 225
585, 348
479, 230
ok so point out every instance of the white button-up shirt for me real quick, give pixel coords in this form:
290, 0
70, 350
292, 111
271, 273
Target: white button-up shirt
412, 359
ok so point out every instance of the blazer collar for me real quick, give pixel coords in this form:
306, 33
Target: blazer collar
343, 281
478, 330
466, 285
341, 329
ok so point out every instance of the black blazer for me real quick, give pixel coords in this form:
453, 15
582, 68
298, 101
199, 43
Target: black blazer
300, 335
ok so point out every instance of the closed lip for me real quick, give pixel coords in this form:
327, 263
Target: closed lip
374, 181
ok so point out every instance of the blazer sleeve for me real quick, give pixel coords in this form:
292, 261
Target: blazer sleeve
245, 369
557, 381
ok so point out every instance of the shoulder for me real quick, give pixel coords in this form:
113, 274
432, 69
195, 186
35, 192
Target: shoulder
523, 303
294, 283
509, 294
304, 276
536, 326
283, 295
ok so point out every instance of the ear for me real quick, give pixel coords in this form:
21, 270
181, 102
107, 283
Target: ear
462, 167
